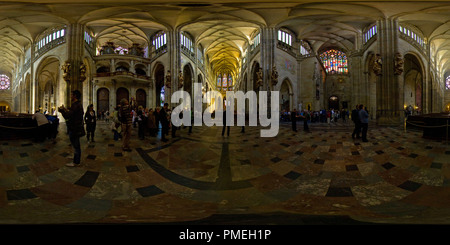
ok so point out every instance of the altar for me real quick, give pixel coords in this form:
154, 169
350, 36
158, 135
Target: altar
433, 125
22, 126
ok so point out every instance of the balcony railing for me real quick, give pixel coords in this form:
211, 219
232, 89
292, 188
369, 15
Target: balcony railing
122, 73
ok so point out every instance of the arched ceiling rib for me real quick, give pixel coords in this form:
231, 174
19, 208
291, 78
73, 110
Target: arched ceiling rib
223, 28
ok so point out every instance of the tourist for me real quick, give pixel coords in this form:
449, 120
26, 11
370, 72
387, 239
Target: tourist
164, 122
364, 118
151, 123
74, 121
294, 117
357, 122
140, 118
306, 118
43, 126
90, 121
224, 119
125, 118
116, 125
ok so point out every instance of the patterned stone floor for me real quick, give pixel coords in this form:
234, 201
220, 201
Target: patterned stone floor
320, 177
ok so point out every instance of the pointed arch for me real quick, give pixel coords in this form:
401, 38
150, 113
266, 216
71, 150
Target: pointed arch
286, 95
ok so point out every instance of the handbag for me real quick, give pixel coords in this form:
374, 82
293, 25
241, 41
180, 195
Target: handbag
81, 132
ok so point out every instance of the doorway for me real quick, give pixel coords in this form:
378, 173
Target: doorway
333, 102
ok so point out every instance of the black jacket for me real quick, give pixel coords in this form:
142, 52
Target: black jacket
355, 116
74, 118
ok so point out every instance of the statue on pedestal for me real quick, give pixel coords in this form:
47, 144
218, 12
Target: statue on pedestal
398, 64
377, 65
168, 79
274, 76
180, 79
82, 72
66, 71
259, 81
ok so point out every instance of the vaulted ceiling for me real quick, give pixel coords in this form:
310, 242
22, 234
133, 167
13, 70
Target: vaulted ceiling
222, 27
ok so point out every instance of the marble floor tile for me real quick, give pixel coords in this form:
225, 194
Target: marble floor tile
396, 177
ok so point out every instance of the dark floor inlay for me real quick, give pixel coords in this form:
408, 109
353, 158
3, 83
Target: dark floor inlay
354, 153
400, 148
92, 157
28, 144
44, 150
64, 154
379, 152
292, 175
23, 154
436, 165
20, 194
132, 168
285, 145
245, 162
299, 153
88, 179
410, 185
388, 165
319, 161
352, 167
339, 192
110, 145
149, 191
23, 168
223, 181
275, 159
413, 155
332, 150
118, 154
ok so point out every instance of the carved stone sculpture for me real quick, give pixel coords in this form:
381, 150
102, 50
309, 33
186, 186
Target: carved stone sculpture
180, 80
168, 80
377, 65
274, 76
259, 81
66, 71
398, 64
82, 72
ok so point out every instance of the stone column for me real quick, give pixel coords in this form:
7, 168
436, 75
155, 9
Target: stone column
268, 45
75, 50
389, 108
174, 53
360, 84
113, 93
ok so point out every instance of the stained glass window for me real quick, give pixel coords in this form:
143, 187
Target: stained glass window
219, 81
121, 50
4, 82
447, 83
224, 82
162, 95
334, 61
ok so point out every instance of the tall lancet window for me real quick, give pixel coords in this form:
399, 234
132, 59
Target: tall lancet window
334, 61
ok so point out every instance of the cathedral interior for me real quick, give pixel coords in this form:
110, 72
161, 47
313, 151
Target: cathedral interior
391, 57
